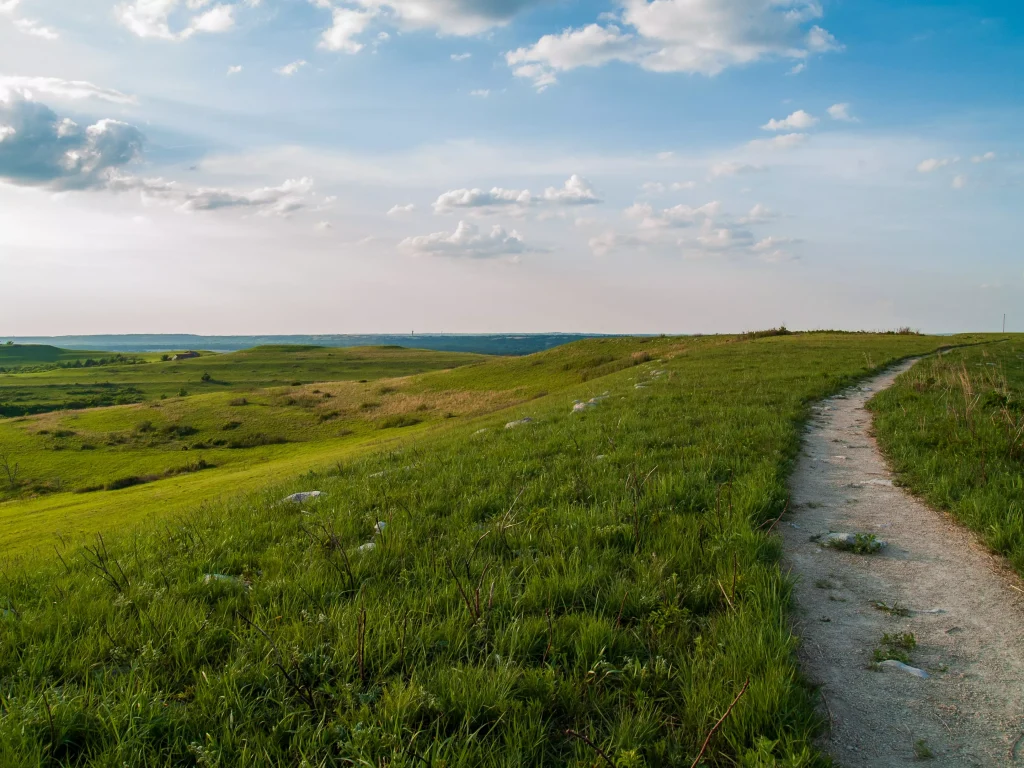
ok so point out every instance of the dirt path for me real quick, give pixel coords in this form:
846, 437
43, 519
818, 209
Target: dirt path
963, 606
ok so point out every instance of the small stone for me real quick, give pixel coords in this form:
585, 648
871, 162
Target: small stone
368, 546
298, 498
893, 664
519, 423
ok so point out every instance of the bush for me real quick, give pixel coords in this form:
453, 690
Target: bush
401, 420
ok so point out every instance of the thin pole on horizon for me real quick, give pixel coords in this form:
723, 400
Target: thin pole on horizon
1004, 322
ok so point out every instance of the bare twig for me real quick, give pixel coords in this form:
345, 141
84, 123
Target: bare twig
304, 694
718, 725
577, 735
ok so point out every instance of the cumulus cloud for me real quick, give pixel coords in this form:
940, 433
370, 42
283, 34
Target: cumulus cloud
290, 69
798, 120
450, 17
841, 112
59, 88
398, 210
659, 188
734, 168
575, 191
284, 200
759, 214
959, 181
467, 241
695, 36
985, 158
234, 70
933, 164
291, 196
39, 148
461, 56
677, 216
782, 141
152, 18
346, 24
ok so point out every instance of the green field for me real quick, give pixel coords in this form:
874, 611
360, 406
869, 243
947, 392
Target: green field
48, 388
953, 428
588, 583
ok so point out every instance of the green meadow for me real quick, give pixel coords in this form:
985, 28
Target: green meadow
953, 428
564, 559
38, 382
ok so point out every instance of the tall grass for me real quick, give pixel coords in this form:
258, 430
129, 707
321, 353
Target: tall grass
588, 584
953, 426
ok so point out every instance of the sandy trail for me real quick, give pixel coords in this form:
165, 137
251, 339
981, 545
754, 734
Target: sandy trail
966, 609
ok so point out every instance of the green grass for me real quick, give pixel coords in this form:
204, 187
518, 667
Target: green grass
604, 572
20, 356
52, 389
953, 428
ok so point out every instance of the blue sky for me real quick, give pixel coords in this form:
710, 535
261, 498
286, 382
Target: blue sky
300, 166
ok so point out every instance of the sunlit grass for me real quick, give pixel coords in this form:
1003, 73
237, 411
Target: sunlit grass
604, 572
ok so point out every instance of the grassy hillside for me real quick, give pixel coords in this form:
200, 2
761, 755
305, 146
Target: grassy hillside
16, 356
953, 428
54, 389
590, 582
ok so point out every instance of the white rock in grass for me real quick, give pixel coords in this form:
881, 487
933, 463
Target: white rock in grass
580, 407
519, 422
893, 664
367, 547
298, 498
480, 431
211, 578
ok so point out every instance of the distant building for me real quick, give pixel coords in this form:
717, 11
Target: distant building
185, 355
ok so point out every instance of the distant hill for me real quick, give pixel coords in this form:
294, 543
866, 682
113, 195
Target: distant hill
489, 344
17, 355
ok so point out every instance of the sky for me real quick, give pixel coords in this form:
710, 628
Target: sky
630, 166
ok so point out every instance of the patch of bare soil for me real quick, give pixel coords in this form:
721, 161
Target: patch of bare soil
964, 607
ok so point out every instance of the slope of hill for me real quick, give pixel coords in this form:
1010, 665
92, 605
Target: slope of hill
586, 575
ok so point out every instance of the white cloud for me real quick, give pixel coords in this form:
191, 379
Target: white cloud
235, 69
398, 210
34, 28
959, 181
323, 226
346, 24
460, 56
575, 191
796, 69
759, 214
450, 17
799, 120
841, 112
658, 187
151, 18
677, 216
481, 93
734, 168
468, 241
67, 89
783, 141
290, 69
39, 148
987, 157
26, 26
694, 36
221, 18
771, 243
933, 164
286, 199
